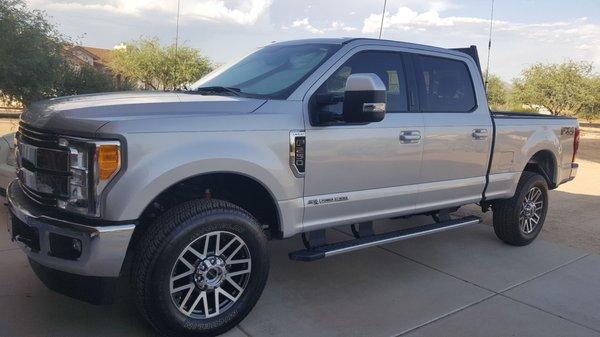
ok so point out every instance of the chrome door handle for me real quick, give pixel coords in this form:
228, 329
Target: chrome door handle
410, 137
480, 134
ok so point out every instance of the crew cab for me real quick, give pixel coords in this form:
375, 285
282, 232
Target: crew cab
181, 191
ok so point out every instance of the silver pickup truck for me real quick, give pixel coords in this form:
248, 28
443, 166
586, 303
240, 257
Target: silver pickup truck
181, 191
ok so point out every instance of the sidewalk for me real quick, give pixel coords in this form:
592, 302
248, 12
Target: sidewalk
459, 283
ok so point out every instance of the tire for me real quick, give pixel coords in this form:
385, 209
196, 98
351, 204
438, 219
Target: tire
509, 226
171, 255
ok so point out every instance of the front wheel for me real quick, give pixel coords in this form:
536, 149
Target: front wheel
519, 220
200, 269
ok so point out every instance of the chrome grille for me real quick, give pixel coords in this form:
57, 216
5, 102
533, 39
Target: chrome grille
43, 167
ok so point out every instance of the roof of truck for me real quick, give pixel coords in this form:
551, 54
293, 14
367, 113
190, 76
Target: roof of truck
347, 40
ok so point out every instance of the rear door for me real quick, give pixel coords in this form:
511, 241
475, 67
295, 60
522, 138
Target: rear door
458, 130
358, 172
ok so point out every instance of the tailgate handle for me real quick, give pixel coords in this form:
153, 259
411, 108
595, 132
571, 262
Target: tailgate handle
480, 134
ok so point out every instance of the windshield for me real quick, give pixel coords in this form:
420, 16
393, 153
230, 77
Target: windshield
272, 72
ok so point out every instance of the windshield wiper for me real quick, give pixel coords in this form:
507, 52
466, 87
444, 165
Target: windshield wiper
217, 89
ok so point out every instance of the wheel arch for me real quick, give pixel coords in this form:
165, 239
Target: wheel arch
252, 195
544, 162
238, 188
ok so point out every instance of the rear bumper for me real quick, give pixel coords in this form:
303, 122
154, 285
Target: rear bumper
102, 248
574, 168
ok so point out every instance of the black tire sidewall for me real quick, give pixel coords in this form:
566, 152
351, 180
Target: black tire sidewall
170, 319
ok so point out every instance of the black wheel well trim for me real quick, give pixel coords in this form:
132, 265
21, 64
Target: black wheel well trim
270, 194
537, 163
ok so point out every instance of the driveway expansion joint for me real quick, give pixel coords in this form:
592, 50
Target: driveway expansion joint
549, 313
451, 313
544, 273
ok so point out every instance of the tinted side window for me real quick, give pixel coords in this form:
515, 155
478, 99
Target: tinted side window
445, 85
387, 65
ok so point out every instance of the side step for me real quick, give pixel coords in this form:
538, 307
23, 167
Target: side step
324, 251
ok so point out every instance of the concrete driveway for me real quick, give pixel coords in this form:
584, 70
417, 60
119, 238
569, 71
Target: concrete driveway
459, 283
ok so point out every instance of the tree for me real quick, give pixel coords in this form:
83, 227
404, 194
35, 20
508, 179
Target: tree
560, 88
32, 63
30, 53
497, 93
590, 109
159, 67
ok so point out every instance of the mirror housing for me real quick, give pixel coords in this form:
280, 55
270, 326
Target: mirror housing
365, 98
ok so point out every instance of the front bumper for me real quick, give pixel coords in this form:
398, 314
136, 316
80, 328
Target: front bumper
103, 248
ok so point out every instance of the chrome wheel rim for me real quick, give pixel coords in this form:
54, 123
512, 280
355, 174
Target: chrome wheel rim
530, 213
210, 275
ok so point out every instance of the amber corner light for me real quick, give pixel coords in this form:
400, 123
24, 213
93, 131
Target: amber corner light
109, 161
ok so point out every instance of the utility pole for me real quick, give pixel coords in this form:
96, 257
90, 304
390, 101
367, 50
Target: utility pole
382, 17
487, 68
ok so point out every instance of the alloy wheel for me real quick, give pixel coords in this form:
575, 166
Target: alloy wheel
531, 210
210, 275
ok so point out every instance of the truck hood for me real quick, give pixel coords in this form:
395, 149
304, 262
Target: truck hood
87, 113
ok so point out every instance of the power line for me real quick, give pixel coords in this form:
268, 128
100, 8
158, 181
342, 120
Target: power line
382, 17
487, 68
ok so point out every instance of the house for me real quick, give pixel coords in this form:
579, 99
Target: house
79, 56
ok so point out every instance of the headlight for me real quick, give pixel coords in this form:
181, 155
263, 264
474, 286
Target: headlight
92, 165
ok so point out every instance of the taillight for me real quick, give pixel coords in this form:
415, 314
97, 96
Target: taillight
575, 144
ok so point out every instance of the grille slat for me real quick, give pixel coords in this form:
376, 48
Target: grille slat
36, 137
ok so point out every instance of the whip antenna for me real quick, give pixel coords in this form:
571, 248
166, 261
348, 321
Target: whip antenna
487, 68
177, 27
382, 17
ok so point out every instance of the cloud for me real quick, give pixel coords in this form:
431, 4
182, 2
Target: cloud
338, 25
243, 12
334, 26
305, 24
406, 18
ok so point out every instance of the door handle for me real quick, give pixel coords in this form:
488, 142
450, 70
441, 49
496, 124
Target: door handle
410, 137
480, 134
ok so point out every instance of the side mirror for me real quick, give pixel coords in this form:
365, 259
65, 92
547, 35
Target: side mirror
365, 99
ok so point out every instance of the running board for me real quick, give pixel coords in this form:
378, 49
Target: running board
321, 252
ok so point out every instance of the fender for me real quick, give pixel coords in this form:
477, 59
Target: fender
172, 158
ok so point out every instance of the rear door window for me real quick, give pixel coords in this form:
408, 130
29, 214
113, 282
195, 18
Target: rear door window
445, 85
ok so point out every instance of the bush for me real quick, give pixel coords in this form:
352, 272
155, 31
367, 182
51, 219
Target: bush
159, 67
87, 80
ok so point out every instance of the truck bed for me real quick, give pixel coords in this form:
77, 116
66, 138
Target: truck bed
528, 115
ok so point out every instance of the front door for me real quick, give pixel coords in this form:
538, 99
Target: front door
360, 172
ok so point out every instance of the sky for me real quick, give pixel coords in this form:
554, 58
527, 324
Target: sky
525, 31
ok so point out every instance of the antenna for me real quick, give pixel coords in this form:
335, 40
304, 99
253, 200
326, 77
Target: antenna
177, 29
382, 17
487, 68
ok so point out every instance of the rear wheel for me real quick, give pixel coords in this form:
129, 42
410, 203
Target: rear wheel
519, 220
200, 269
